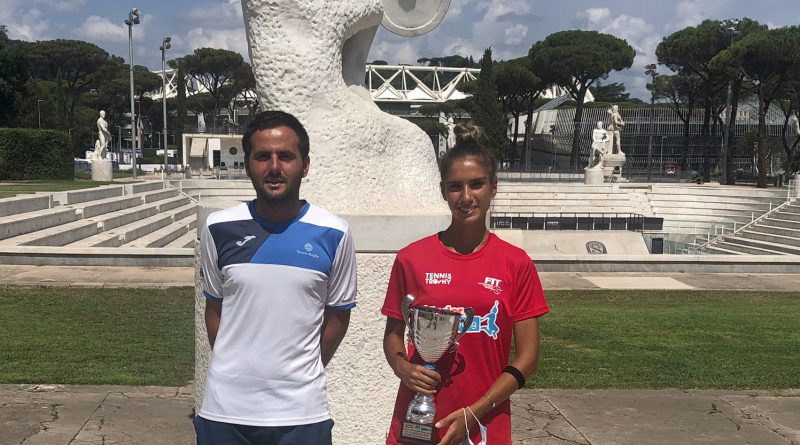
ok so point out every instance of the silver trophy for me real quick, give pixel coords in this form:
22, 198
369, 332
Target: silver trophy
432, 331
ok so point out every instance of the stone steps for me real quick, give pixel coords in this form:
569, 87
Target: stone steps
756, 247
22, 223
59, 235
771, 234
24, 204
186, 240
165, 235
779, 221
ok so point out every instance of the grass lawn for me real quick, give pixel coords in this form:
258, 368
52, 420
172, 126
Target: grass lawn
97, 336
591, 339
9, 189
670, 339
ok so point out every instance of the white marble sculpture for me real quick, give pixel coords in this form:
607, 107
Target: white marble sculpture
599, 146
451, 134
103, 137
615, 127
309, 59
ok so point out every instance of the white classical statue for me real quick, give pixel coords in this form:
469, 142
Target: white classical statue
451, 135
615, 127
599, 146
103, 136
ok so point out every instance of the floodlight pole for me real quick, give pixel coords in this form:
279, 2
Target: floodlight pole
165, 45
133, 19
39, 110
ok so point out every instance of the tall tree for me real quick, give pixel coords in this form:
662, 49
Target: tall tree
487, 110
518, 88
13, 66
689, 52
214, 68
82, 66
767, 59
575, 60
613, 92
681, 92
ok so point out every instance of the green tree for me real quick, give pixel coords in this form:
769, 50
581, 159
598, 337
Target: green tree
214, 69
13, 66
613, 92
767, 59
575, 60
487, 110
518, 88
680, 91
689, 52
83, 67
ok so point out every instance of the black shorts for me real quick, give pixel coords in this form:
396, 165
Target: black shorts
210, 432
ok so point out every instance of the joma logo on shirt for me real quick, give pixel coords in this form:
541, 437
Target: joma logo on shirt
438, 278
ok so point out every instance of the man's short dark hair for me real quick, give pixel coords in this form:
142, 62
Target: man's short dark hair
273, 119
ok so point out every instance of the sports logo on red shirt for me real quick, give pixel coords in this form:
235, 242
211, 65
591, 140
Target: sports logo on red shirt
438, 277
492, 284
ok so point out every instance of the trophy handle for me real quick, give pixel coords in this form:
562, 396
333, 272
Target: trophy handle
470, 314
405, 306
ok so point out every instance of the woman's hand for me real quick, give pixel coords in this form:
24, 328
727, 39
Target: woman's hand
417, 377
456, 428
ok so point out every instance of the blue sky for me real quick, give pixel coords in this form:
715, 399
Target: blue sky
508, 26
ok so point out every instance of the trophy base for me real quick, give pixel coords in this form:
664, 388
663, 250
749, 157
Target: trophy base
417, 433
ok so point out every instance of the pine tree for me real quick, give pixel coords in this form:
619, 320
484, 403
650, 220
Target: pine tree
487, 110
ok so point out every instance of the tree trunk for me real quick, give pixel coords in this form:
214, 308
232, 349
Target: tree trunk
686, 127
706, 136
514, 138
576, 133
761, 163
528, 130
729, 165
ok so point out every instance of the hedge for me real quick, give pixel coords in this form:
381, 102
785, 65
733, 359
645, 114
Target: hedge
35, 154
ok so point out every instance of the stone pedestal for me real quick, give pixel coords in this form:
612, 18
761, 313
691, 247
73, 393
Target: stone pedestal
610, 164
102, 171
593, 176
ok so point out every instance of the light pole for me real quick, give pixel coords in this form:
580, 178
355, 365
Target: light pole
133, 19
731, 26
165, 45
39, 110
650, 70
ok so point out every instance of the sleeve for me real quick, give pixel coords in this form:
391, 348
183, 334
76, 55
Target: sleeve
342, 284
395, 292
529, 302
212, 276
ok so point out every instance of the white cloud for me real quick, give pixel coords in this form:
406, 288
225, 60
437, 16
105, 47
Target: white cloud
23, 23
223, 15
692, 12
230, 39
404, 51
595, 15
63, 5
96, 28
516, 34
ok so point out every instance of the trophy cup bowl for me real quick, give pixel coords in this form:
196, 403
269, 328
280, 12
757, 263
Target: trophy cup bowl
432, 331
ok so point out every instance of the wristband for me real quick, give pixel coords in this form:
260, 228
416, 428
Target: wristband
517, 375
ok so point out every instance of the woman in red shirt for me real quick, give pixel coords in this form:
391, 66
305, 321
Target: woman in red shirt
466, 266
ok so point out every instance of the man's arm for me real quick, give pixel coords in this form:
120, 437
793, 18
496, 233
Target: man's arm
213, 315
334, 326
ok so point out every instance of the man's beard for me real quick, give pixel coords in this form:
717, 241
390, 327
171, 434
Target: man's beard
290, 193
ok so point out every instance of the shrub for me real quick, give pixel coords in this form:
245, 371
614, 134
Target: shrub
35, 154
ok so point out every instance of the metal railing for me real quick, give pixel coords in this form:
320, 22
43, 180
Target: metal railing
575, 221
718, 231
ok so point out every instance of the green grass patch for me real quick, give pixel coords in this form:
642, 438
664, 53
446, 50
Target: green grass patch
10, 189
97, 336
670, 339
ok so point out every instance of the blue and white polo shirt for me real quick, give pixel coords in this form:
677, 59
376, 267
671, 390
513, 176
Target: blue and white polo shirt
275, 282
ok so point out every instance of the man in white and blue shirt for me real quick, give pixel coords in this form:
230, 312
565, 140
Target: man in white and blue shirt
280, 281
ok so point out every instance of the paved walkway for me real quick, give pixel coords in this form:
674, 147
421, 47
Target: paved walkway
87, 276
89, 415
73, 415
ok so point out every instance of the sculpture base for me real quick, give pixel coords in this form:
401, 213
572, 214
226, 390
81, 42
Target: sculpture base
593, 176
416, 433
102, 171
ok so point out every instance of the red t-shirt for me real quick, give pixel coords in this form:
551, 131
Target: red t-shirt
499, 282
